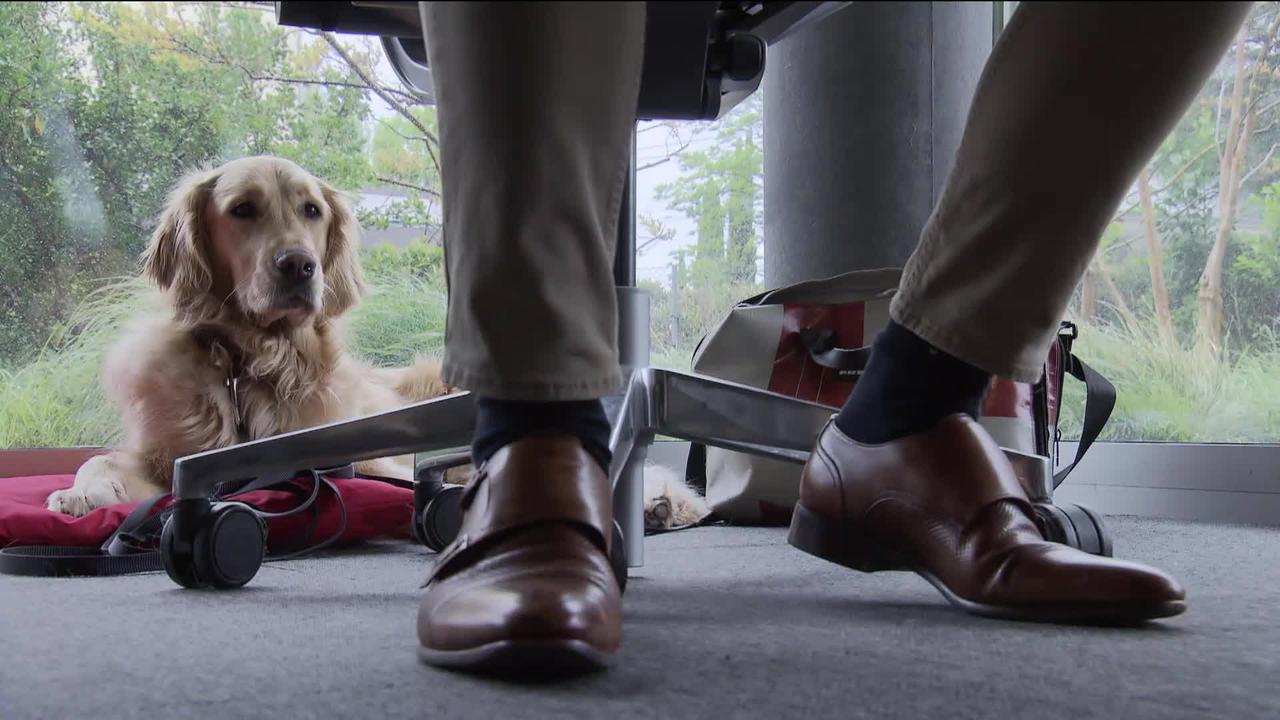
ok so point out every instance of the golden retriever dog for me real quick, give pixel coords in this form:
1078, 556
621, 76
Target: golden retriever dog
257, 261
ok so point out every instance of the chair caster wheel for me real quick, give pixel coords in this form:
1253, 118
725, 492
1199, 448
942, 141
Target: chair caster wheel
220, 546
439, 518
1074, 525
618, 556
437, 506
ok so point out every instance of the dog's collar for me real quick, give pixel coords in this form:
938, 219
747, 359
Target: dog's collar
218, 344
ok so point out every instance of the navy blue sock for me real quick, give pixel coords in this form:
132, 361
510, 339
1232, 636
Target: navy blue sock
907, 387
501, 422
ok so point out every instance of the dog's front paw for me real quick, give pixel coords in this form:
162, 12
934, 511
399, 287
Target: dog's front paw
657, 513
69, 502
76, 502
669, 502
95, 487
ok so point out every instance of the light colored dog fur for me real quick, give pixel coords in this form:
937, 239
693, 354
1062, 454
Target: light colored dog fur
213, 256
669, 502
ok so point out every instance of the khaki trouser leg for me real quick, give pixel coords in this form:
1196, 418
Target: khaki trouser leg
1074, 100
537, 102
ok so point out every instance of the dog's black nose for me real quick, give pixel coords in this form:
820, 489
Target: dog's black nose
295, 265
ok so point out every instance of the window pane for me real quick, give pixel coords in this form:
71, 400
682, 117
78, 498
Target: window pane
107, 104
1181, 306
698, 223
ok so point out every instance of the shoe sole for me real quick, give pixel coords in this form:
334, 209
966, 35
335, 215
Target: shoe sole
522, 658
815, 535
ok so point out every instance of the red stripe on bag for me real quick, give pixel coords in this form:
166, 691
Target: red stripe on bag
1053, 371
794, 372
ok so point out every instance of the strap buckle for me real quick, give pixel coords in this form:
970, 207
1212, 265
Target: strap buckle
233, 389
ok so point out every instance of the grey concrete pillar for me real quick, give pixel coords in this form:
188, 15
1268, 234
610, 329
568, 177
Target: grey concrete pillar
863, 115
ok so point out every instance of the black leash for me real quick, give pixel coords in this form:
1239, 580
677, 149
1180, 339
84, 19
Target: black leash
133, 547
70, 561
125, 552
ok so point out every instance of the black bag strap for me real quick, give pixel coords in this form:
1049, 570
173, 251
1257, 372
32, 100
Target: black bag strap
821, 344
1099, 401
131, 548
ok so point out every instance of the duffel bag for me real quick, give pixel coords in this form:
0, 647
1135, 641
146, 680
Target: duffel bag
811, 341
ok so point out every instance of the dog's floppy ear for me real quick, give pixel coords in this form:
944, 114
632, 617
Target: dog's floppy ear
176, 259
343, 278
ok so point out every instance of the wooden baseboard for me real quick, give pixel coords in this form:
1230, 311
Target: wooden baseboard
24, 462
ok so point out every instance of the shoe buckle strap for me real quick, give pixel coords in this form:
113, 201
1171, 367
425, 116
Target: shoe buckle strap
500, 499
493, 512
446, 558
473, 484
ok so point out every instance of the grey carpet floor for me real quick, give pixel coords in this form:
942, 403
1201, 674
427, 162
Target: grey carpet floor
721, 622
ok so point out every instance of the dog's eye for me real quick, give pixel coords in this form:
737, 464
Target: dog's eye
244, 211
311, 210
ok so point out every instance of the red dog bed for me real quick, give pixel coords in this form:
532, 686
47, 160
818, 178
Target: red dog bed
374, 509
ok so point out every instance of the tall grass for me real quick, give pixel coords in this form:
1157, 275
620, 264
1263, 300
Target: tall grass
1168, 393
1165, 393
56, 400
401, 318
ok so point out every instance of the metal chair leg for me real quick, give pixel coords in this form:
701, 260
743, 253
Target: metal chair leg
657, 402
440, 424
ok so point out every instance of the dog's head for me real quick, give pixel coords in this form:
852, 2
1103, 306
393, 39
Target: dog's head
259, 235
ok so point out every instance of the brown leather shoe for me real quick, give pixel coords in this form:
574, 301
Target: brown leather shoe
946, 504
527, 587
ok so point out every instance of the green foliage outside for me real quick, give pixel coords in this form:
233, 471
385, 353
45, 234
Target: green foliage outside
720, 191
56, 399
107, 104
1197, 364
104, 105
1172, 395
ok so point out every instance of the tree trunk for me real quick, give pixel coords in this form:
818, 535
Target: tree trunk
1155, 261
1117, 298
1208, 342
1088, 295
1240, 129
710, 245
